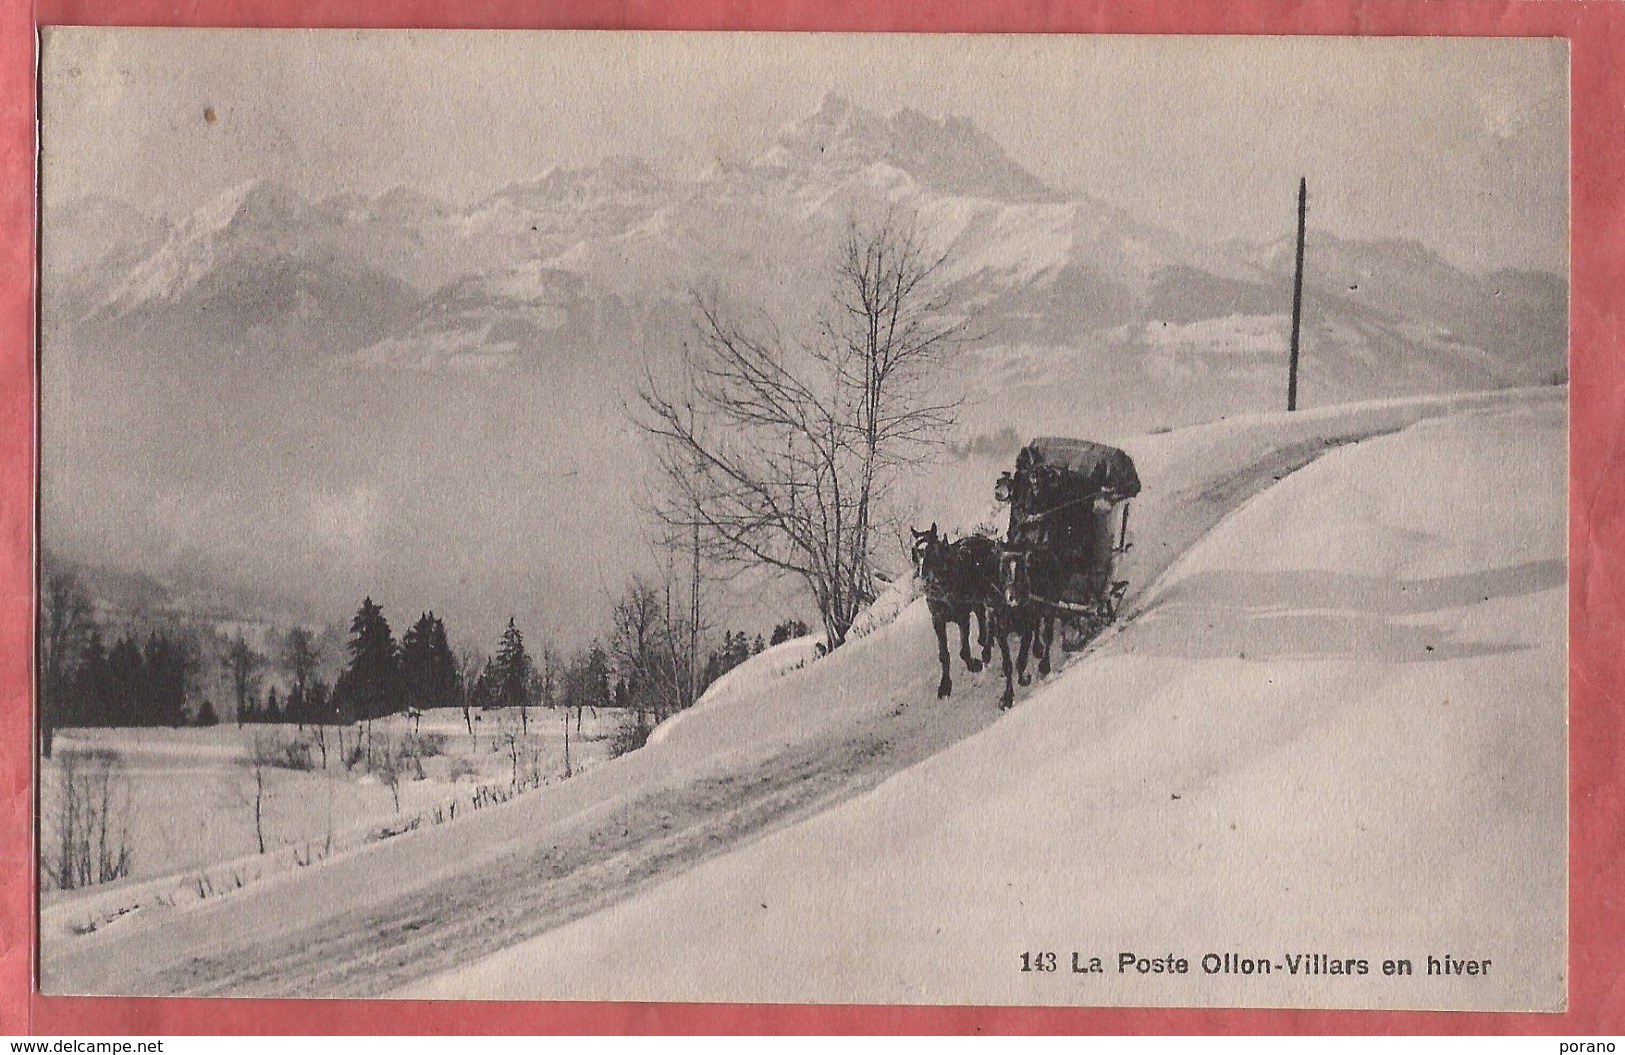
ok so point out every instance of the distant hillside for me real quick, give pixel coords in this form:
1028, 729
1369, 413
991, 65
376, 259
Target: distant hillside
392, 393
132, 601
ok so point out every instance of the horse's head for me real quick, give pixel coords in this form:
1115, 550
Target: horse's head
1014, 578
930, 552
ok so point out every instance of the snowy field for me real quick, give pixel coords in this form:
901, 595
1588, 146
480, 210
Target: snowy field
1333, 722
183, 800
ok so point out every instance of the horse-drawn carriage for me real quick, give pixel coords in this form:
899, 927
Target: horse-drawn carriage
1069, 503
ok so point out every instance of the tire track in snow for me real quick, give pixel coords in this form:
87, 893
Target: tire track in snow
587, 868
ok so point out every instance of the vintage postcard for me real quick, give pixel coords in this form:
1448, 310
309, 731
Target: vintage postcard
1030, 520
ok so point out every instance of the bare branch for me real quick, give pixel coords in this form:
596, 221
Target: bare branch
777, 452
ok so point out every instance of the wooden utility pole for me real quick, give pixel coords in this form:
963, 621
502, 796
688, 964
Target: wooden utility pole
1297, 297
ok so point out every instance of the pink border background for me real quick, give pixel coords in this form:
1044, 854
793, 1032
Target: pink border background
1596, 32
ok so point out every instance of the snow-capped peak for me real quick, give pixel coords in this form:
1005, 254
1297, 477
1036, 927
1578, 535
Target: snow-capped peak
614, 177
950, 156
257, 204
250, 210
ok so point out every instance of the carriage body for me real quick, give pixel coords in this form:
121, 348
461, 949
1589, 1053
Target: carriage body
1068, 525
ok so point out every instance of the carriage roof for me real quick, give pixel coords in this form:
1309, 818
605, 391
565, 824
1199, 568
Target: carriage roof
1103, 468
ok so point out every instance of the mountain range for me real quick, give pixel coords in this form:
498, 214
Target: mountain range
393, 393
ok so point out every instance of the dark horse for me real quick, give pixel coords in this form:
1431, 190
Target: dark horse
961, 580
1022, 565
1019, 614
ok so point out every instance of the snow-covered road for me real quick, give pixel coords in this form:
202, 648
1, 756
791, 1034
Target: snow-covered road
1336, 728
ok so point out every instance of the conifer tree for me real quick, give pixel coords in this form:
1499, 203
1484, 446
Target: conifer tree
415, 662
484, 693
370, 686
89, 702
125, 673
163, 691
319, 704
428, 667
513, 670
445, 679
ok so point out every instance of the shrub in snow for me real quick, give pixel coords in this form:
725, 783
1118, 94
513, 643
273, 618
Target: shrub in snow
427, 745
629, 736
296, 754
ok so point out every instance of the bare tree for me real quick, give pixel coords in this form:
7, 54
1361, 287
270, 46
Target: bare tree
645, 650
300, 657
777, 451
389, 765
66, 618
568, 772
320, 733
549, 673
262, 753
243, 664
90, 818
513, 739
469, 664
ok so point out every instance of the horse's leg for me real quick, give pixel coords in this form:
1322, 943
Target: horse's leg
984, 635
1003, 634
972, 664
1045, 632
939, 623
1027, 626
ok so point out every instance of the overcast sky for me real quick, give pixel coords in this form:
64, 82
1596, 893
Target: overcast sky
1462, 144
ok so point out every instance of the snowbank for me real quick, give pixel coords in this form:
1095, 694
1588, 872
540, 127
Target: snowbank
753, 675
1338, 728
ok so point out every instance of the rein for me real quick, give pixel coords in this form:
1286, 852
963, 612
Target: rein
1034, 518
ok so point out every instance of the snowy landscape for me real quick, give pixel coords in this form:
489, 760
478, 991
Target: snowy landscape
611, 760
